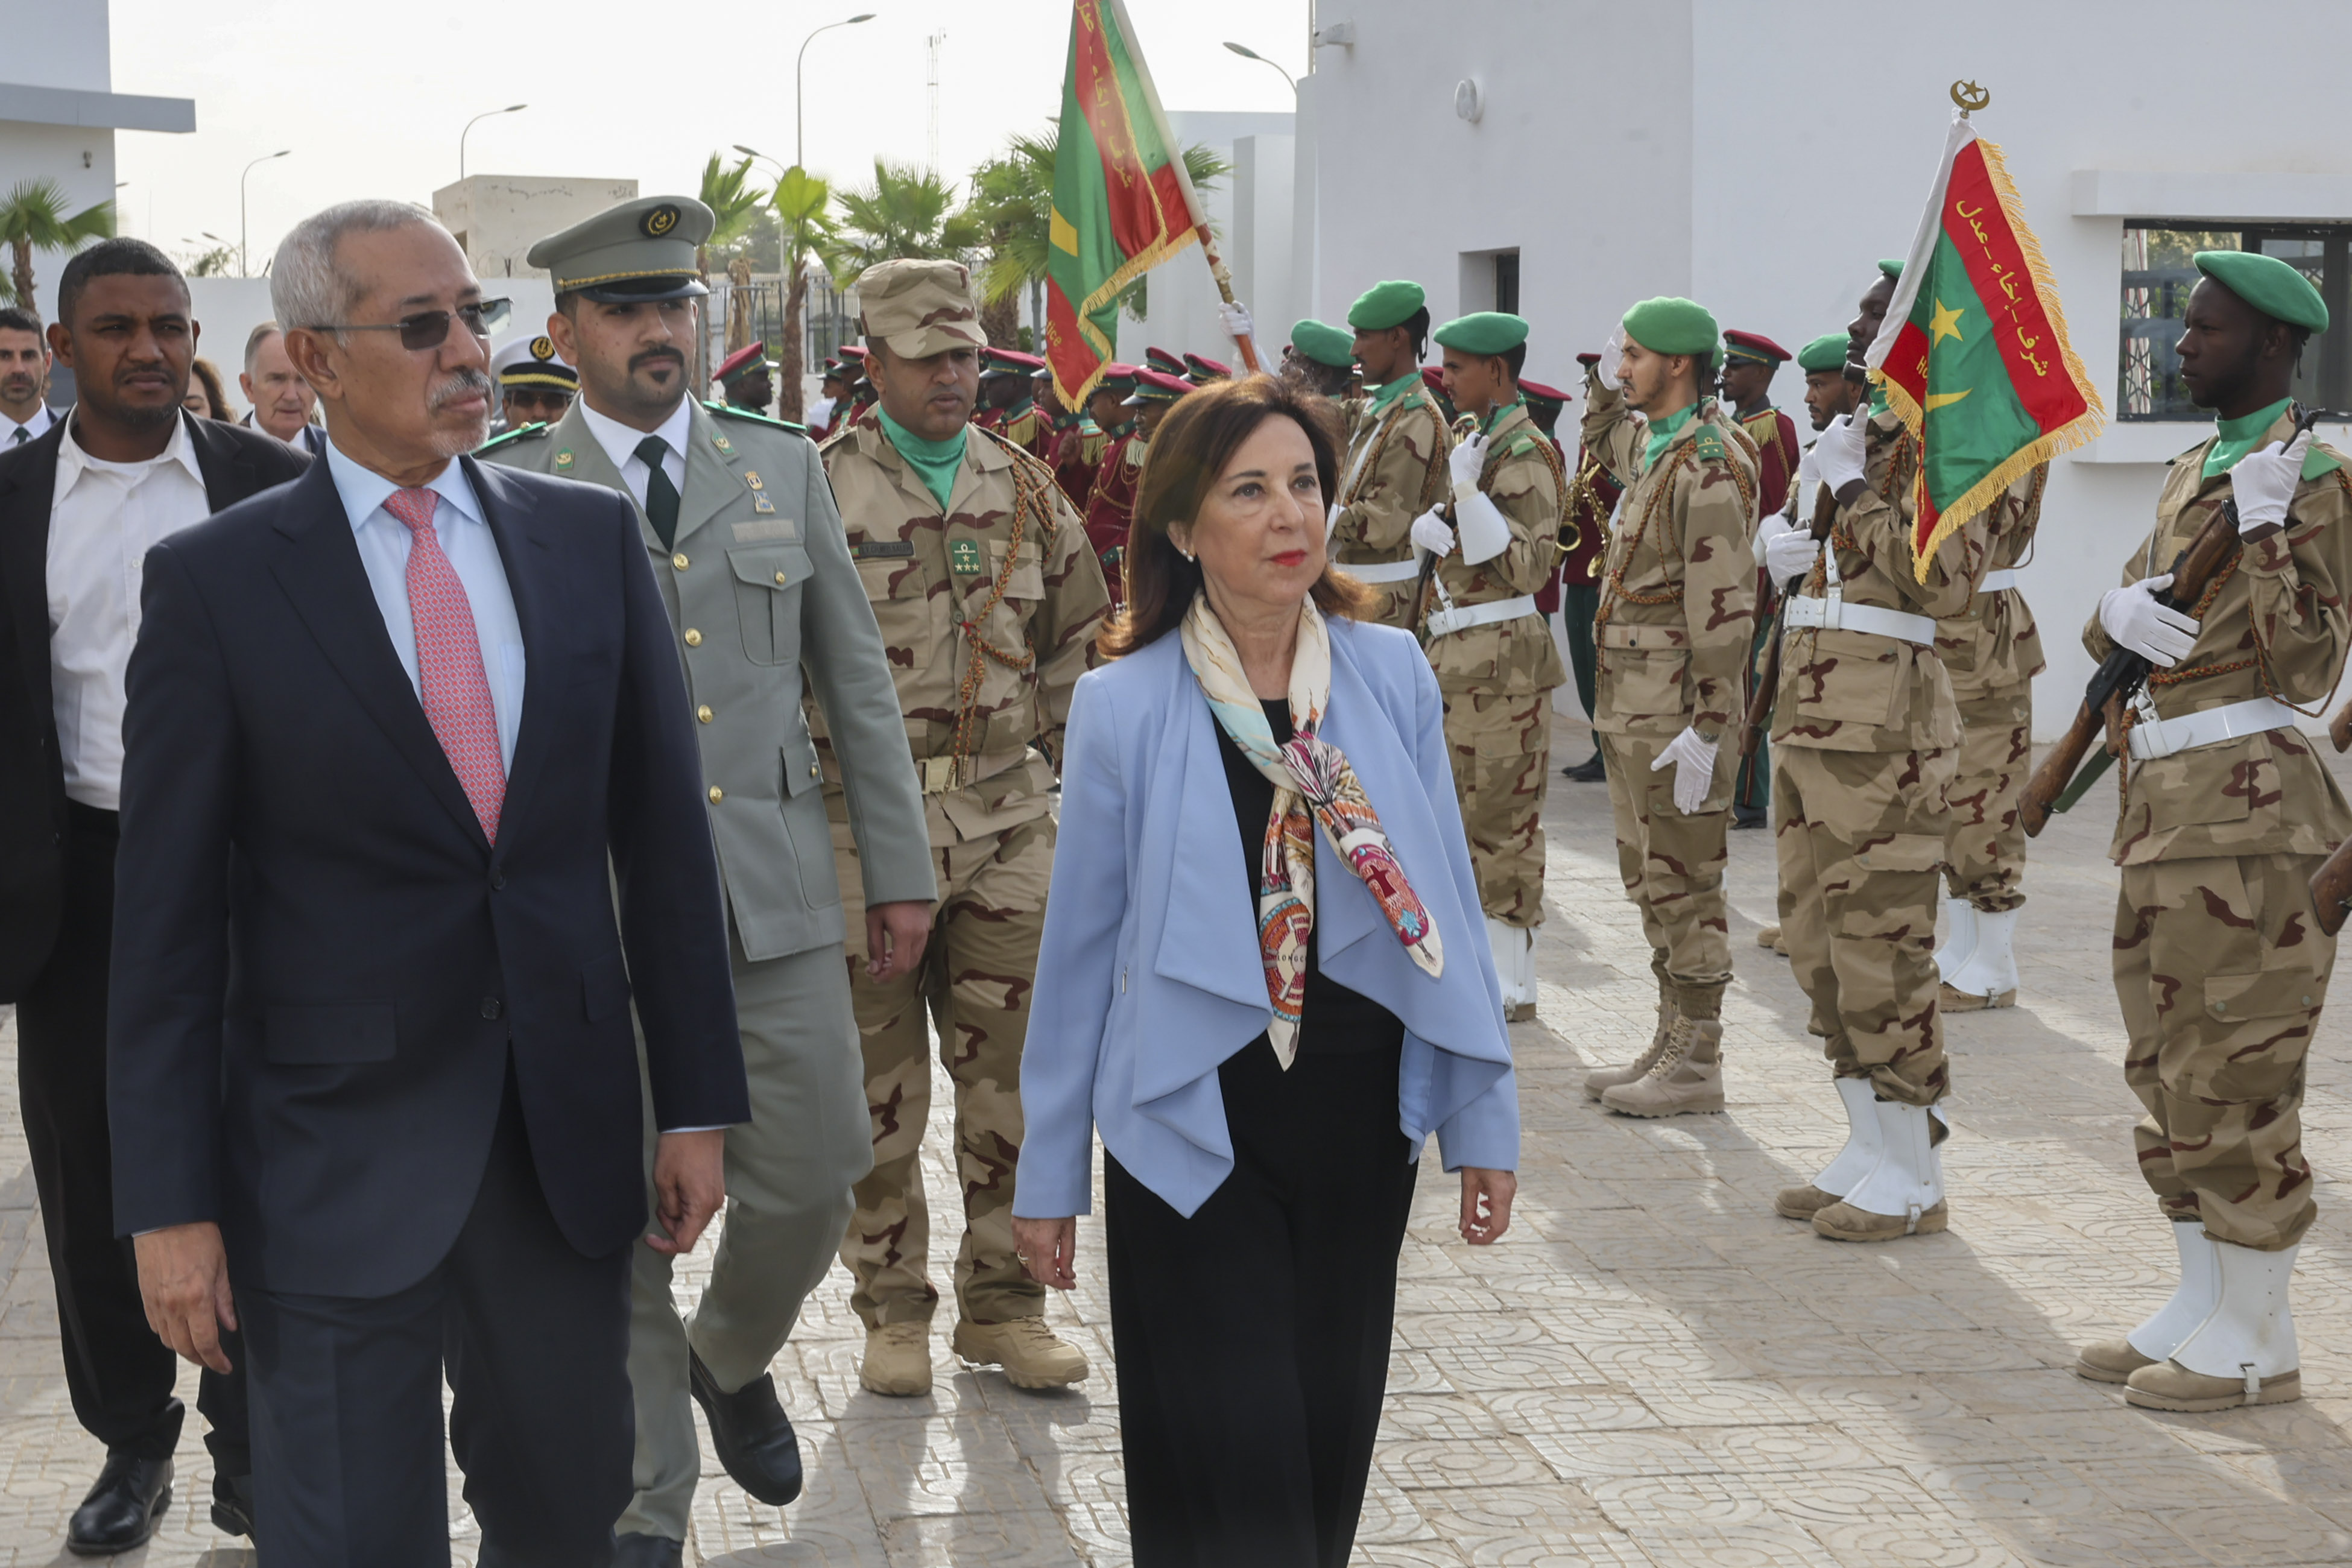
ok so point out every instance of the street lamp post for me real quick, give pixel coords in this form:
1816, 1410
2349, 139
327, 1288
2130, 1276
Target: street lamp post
799, 141
243, 268
755, 153
1250, 54
486, 114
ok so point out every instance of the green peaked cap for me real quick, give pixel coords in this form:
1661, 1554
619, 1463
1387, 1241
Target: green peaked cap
1483, 333
1671, 326
1824, 353
1324, 344
1386, 305
2268, 284
1890, 265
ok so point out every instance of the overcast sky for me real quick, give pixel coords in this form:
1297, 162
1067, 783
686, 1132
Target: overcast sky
371, 99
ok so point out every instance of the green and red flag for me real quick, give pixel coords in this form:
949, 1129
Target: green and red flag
1974, 355
1122, 201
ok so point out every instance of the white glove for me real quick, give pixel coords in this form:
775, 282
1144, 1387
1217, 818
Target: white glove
1612, 357
1431, 532
2263, 483
1485, 531
2132, 616
1790, 554
1839, 456
1693, 763
1809, 474
1236, 318
1467, 461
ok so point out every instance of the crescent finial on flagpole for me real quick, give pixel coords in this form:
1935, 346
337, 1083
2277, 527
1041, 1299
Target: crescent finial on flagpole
1970, 96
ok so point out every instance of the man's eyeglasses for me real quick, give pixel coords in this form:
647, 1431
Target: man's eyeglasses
430, 329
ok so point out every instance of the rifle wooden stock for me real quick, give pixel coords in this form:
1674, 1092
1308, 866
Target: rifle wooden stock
1758, 719
2340, 729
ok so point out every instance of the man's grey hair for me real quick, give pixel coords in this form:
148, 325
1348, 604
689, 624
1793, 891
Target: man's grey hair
254, 338
305, 289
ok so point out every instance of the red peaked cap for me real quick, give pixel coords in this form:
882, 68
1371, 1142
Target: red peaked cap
742, 358
1756, 345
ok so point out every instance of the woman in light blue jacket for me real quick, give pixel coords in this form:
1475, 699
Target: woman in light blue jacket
1266, 980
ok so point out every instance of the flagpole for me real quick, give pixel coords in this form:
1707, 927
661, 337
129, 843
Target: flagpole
1217, 267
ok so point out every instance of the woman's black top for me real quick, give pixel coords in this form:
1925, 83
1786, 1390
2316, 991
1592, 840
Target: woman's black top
1333, 1018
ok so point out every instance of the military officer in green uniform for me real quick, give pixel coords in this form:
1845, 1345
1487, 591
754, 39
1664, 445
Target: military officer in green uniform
1395, 468
754, 567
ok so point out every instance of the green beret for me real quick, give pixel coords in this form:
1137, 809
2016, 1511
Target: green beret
2268, 284
1890, 265
1386, 305
1483, 333
1323, 345
1824, 353
1670, 326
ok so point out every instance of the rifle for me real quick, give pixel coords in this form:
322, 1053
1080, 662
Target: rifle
2057, 784
1758, 719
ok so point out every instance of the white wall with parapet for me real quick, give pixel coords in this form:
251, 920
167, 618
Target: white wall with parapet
498, 218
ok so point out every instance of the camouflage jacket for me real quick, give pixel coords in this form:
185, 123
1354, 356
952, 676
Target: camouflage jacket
1677, 610
1522, 477
1008, 560
1845, 691
2274, 626
1394, 471
1992, 651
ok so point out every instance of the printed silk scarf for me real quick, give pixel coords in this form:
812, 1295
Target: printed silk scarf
1310, 778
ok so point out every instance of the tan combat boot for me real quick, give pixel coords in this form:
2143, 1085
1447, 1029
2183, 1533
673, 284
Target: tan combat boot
1686, 1079
1032, 1354
1596, 1084
898, 1360
1770, 936
2109, 1361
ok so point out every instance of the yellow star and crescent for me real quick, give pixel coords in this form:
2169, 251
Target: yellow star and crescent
1946, 323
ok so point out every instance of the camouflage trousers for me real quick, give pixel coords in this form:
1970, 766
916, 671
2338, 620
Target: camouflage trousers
1984, 842
2222, 972
975, 982
1860, 837
1672, 867
1500, 746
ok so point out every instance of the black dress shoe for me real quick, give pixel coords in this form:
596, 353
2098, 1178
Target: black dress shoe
123, 1509
1592, 769
1747, 816
752, 1434
650, 1551
233, 1505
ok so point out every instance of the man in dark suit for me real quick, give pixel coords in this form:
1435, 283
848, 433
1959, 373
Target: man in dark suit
389, 727
76, 502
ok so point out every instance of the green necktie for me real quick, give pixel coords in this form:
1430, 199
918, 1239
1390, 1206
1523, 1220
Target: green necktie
661, 496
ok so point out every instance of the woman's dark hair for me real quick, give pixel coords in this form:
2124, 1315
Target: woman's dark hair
1195, 443
216, 393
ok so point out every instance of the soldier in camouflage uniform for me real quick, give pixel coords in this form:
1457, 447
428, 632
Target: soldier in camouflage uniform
1992, 651
2220, 968
1495, 661
989, 599
1865, 732
1750, 362
1672, 634
1395, 467
1321, 356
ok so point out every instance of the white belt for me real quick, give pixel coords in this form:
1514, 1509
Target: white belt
1443, 623
1994, 581
1836, 616
2153, 738
1381, 570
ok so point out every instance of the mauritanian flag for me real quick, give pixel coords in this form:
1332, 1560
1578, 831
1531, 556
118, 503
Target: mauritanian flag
1974, 355
1122, 201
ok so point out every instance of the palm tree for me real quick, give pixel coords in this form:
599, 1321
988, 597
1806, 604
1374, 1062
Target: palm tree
735, 202
801, 201
34, 218
907, 212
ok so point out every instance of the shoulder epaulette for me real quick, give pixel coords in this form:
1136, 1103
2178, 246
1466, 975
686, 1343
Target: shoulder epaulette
729, 411
1707, 445
2320, 460
520, 433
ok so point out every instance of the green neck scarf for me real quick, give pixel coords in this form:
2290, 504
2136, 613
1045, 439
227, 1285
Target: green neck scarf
1394, 390
1663, 431
934, 462
2241, 436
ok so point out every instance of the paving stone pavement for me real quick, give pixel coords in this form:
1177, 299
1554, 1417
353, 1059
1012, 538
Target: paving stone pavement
1651, 1369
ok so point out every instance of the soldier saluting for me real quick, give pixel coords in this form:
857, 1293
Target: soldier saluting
2220, 967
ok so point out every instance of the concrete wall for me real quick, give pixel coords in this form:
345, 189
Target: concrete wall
59, 43
498, 218
1670, 149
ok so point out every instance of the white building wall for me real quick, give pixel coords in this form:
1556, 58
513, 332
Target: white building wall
498, 218
1697, 147
1183, 296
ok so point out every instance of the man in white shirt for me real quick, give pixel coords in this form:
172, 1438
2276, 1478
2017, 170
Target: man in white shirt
24, 378
80, 505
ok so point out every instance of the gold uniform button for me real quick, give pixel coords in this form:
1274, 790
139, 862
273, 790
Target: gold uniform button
717, 794
693, 637
678, 560
780, 578
811, 770
703, 712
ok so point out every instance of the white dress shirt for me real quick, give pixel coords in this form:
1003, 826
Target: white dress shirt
32, 429
103, 517
620, 444
473, 551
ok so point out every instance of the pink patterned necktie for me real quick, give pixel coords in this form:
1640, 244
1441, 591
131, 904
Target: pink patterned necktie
449, 672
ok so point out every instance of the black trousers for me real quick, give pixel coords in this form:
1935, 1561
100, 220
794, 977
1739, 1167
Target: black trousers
347, 1440
1253, 1339
118, 1374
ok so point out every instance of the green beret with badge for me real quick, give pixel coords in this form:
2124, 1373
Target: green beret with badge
1386, 305
1325, 345
1890, 265
637, 251
1824, 353
1670, 325
1487, 332
2271, 285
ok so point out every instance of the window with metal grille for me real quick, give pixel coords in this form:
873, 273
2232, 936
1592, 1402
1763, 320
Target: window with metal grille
2158, 275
